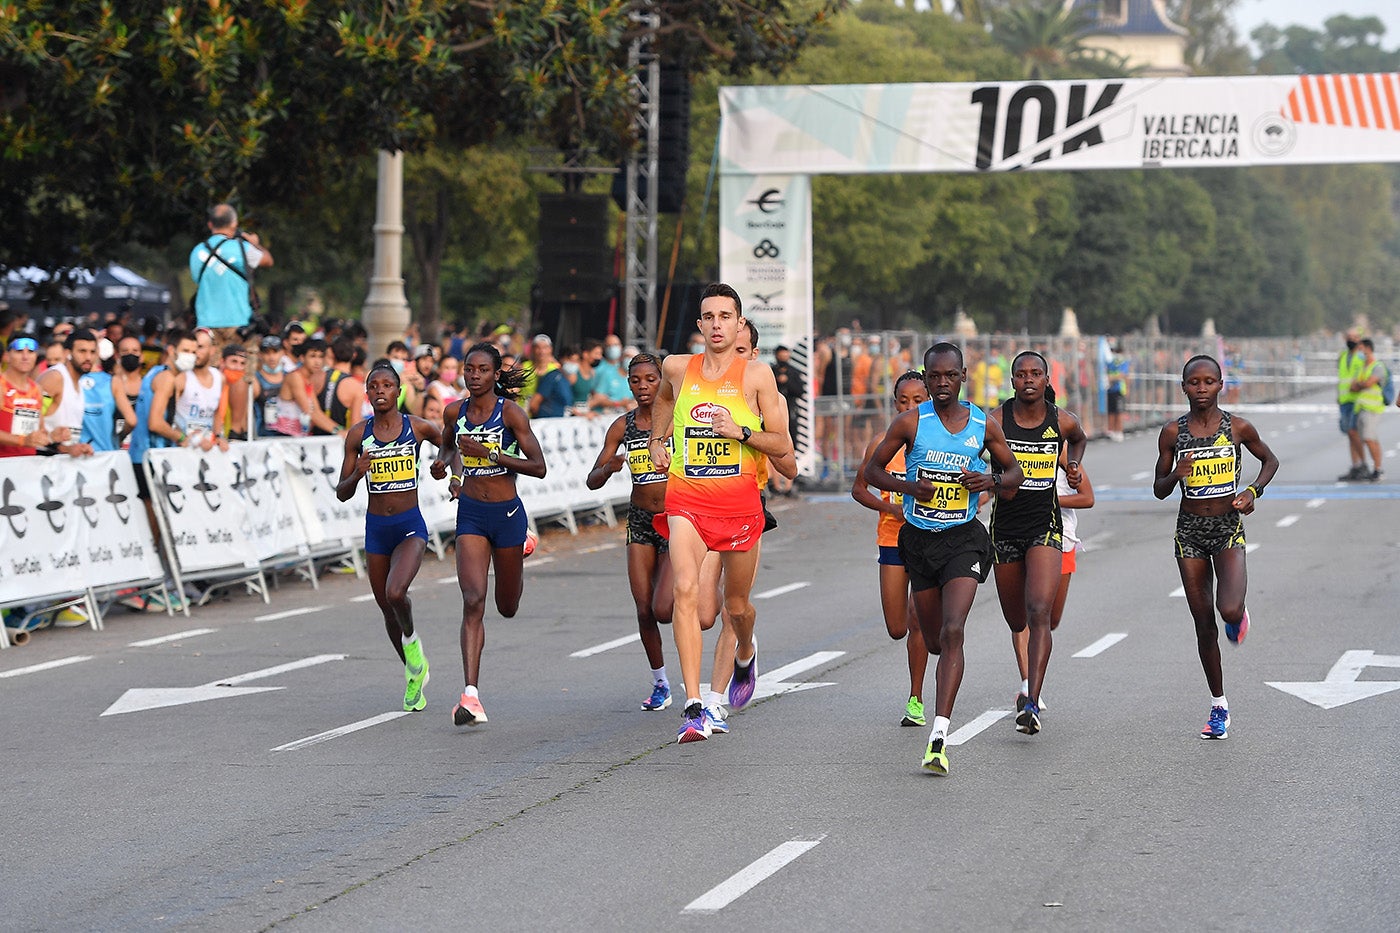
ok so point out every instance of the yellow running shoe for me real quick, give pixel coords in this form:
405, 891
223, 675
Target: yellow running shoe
936, 759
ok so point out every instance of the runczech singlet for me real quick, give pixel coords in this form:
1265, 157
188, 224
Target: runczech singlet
712, 475
198, 404
634, 441
1035, 509
99, 411
887, 528
493, 435
69, 412
1215, 470
394, 464
939, 456
20, 407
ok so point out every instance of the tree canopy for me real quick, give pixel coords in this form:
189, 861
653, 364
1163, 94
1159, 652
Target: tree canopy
122, 122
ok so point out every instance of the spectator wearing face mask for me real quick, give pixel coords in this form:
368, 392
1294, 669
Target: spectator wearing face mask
555, 394
610, 390
126, 380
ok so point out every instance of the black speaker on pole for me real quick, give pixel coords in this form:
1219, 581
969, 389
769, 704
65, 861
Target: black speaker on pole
575, 257
673, 150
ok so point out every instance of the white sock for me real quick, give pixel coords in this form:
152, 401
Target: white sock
1026, 686
658, 675
411, 639
689, 701
714, 699
940, 728
1220, 701
471, 692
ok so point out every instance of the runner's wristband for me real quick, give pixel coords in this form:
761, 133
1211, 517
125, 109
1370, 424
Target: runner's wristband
1258, 493
454, 476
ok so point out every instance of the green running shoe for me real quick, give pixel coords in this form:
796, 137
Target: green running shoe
936, 759
913, 713
415, 672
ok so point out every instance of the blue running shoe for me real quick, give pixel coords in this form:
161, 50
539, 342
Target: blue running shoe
660, 698
1028, 719
694, 727
1218, 725
745, 678
1236, 633
714, 715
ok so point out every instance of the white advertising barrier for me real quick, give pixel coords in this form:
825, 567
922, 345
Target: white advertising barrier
71, 524
201, 494
313, 469
570, 446
434, 501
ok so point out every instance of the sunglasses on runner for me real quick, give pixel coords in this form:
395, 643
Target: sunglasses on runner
24, 343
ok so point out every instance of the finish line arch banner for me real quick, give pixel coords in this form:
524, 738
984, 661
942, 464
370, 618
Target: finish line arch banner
772, 138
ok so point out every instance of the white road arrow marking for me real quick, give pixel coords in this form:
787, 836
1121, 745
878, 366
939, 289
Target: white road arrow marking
1341, 686
138, 699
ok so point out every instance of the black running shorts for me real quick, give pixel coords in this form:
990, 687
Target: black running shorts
932, 558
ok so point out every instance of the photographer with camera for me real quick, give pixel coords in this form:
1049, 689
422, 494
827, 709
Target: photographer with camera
222, 267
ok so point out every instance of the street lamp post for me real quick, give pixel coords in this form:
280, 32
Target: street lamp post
385, 313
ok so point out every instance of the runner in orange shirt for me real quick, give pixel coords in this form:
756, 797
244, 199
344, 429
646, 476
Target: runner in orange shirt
723, 411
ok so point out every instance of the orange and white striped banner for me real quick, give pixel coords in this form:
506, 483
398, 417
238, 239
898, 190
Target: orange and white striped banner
1369, 101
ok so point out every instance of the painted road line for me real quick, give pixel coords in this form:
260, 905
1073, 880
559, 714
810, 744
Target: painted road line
1102, 645
799, 666
1251, 548
288, 613
988, 719
1316, 503
362, 599
607, 646
445, 580
1179, 592
146, 643
1138, 477
47, 665
336, 733
769, 594
600, 547
537, 561
1287, 520
279, 669
746, 878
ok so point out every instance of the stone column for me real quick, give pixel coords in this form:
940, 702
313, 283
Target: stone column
385, 314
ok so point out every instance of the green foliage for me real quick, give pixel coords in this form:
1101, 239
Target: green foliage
1048, 38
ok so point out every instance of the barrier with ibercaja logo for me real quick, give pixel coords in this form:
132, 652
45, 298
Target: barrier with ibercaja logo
70, 527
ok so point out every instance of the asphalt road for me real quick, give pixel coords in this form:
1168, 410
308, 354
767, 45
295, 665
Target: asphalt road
574, 810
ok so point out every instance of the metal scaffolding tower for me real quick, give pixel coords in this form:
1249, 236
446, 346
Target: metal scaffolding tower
643, 175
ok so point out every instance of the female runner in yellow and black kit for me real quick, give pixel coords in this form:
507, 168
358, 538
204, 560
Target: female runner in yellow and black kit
384, 448
1027, 535
1200, 452
488, 440
648, 566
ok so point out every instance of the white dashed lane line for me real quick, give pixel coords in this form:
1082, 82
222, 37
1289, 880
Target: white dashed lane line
769, 594
1287, 520
192, 633
988, 719
748, 877
1316, 503
289, 613
342, 730
607, 646
46, 666
1102, 645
